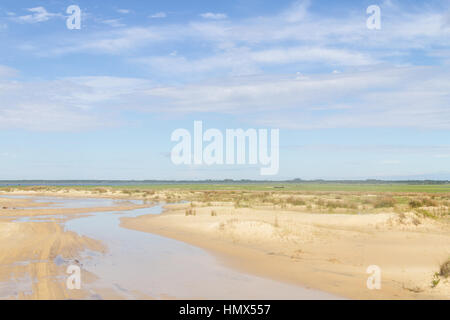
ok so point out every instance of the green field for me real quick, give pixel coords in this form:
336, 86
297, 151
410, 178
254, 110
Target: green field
305, 187
321, 187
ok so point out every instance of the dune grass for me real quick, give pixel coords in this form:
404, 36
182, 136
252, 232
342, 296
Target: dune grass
339, 200
445, 269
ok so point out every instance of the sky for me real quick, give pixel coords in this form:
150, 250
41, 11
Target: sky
102, 102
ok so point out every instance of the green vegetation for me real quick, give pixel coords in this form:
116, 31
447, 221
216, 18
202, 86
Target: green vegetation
384, 202
427, 200
445, 269
264, 186
444, 272
190, 212
435, 281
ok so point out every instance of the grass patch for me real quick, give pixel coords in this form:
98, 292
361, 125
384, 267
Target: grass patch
341, 198
384, 202
425, 202
295, 201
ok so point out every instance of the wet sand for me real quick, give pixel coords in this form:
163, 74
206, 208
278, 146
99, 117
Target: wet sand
40, 237
30, 249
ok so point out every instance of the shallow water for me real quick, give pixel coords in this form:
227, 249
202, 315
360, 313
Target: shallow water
161, 267
73, 203
141, 264
12, 289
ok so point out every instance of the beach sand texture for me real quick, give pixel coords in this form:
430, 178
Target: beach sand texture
327, 251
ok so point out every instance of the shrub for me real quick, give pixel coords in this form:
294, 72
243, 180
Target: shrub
340, 204
384, 202
190, 212
445, 269
427, 202
415, 204
435, 281
296, 201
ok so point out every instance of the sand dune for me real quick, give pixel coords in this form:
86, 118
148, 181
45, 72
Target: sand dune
330, 252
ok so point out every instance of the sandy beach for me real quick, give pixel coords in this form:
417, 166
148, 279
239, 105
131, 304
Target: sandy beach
327, 252
293, 244
29, 249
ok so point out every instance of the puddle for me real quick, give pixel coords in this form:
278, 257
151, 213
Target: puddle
73, 203
43, 218
12, 289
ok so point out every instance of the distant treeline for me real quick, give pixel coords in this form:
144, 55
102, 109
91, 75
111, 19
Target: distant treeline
226, 181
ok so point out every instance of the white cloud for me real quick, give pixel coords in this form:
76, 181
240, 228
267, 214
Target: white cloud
8, 155
297, 12
291, 36
39, 14
442, 156
392, 149
388, 4
384, 96
390, 162
394, 97
213, 16
123, 11
69, 104
280, 34
312, 54
7, 72
111, 42
244, 61
158, 15
115, 23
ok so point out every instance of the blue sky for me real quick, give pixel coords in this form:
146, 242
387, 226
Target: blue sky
102, 102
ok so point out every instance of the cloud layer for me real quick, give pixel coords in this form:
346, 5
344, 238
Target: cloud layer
38, 14
293, 69
415, 97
